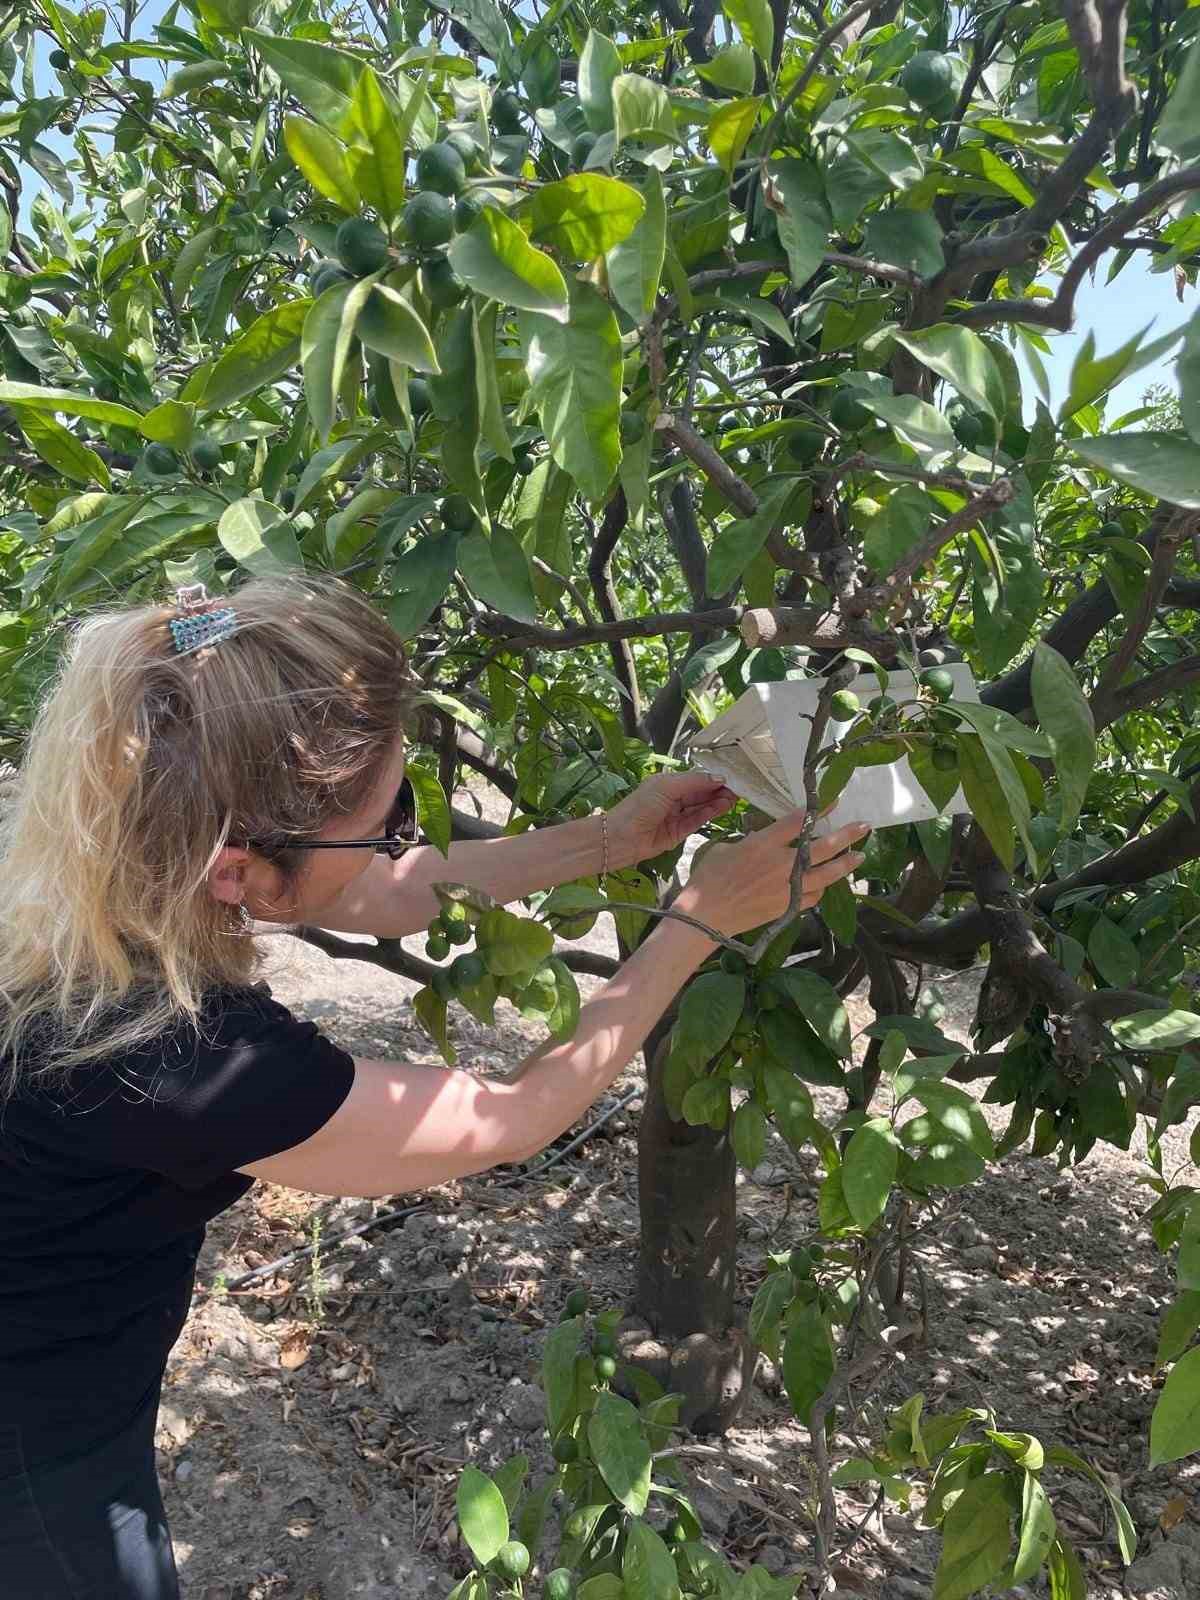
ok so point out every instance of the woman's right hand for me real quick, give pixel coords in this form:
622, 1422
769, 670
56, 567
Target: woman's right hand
744, 885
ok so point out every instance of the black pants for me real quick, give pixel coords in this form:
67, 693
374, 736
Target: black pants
91, 1528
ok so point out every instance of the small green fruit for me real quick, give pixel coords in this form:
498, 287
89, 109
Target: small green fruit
278, 216
419, 402
160, 460
1112, 530
843, 707
603, 1344
847, 412
512, 1560
206, 453
437, 947
287, 499
633, 427
326, 277
582, 149
560, 1584
805, 444
467, 971
362, 248
576, 1303
458, 932
441, 169
466, 147
606, 1369
566, 1449
506, 112
442, 284
939, 682
454, 910
882, 706
428, 220
927, 78
968, 428
60, 60
523, 462
458, 514
465, 212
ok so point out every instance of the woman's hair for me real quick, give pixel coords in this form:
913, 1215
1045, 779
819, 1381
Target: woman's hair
142, 764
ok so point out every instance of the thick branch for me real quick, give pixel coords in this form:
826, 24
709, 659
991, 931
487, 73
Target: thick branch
881, 595
616, 520
711, 463
1166, 548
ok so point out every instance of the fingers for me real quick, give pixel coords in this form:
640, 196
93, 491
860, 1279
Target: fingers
785, 829
818, 879
832, 844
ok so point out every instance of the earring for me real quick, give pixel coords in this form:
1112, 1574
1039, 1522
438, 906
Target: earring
245, 921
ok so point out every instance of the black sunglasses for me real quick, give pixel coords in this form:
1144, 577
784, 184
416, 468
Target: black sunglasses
400, 832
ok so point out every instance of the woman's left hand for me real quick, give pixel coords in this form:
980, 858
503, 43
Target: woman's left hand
662, 812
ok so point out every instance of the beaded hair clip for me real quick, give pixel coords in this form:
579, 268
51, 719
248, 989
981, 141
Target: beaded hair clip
201, 622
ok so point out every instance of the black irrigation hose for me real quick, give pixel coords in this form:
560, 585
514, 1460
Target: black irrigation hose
549, 1160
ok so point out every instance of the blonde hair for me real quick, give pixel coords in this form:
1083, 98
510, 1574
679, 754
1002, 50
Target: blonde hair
142, 764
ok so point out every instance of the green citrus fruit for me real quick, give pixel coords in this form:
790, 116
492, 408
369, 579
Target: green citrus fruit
576, 1303
160, 460
440, 169
927, 77
939, 682
437, 947
278, 216
106, 389
512, 1560
843, 707
560, 1584
206, 453
361, 247
458, 514
66, 126
467, 971
847, 412
465, 212
804, 445
428, 220
606, 1368
442, 284
968, 428
454, 910
565, 1449
603, 1344
633, 427
523, 462
60, 60
327, 277
458, 932
287, 499
882, 706
582, 149
1112, 530
419, 402
506, 112
465, 145
944, 757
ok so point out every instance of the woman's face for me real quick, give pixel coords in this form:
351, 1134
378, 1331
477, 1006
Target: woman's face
325, 873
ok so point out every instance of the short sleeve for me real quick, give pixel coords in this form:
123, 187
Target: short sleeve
199, 1102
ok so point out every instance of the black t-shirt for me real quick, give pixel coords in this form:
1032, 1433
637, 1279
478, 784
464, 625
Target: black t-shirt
107, 1179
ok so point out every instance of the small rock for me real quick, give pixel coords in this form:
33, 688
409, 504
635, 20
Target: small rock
775, 1558
458, 1390
183, 1471
983, 1257
524, 1406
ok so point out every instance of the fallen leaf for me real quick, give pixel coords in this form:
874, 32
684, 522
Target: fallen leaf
1173, 1512
294, 1351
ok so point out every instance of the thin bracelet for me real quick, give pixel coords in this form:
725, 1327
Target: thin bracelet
604, 850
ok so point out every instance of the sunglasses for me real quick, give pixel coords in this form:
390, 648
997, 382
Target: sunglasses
399, 832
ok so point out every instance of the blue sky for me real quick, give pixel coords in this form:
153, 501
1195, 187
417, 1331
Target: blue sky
1113, 313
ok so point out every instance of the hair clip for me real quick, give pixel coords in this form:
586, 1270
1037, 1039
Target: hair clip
201, 622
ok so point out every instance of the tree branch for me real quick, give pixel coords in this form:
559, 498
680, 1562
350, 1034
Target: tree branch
1166, 548
615, 521
881, 595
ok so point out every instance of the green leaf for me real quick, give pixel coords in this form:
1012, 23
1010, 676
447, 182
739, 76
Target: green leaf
325, 347
482, 1514
909, 239
1156, 1030
808, 1360
987, 802
1179, 1324
648, 1567
729, 129
642, 111
1092, 378
509, 1478
820, 1005
419, 580
267, 349
259, 536
321, 78
585, 214
172, 422
1113, 953
963, 359
563, 1019
635, 264
512, 945
794, 1045
790, 1103
869, 1170
574, 370
802, 224
620, 1451
916, 421
739, 542
839, 911
708, 1014
901, 525
433, 811
950, 1110
1066, 717
497, 572
189, 261
377, 160
59, 448
1187, 369
749, 1134
35, 398
485, 20
1177, 128
1038, 1530
1175, 1424
731, 68
599, 67
1067, 1578
558, 1373
92, 541
753, 20
976, 1539
1166, 465
766, 1312
494, 258
388, 323
323, 161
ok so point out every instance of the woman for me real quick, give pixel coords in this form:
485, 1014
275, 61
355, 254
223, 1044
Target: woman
181, 771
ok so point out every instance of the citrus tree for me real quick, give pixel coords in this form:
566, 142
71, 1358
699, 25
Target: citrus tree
628, 357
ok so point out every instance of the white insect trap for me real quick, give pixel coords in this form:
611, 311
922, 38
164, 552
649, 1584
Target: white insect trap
758, 747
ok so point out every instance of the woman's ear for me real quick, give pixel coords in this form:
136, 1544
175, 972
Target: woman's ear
228, 876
